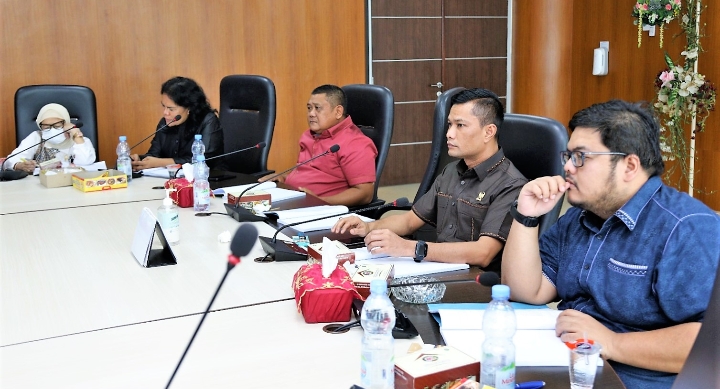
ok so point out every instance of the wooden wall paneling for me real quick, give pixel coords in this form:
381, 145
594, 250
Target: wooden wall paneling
406, 7
416, 122
423, 38
409, 81
477, 73
405, 164
474, 7
476, 37
125, 55
541, 57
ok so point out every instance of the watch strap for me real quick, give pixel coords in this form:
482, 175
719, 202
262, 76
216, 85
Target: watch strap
527, 221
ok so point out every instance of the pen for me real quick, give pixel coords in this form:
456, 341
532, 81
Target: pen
530, 385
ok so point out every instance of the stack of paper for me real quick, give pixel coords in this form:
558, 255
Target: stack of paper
404, 266
301, 215
535, 340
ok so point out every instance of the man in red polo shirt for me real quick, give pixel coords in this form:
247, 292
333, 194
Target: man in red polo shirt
346, 177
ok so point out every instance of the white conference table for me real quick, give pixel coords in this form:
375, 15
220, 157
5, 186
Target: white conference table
28, 194
263, 346
66, 271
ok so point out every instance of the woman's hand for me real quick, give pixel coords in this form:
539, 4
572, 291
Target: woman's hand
26, 166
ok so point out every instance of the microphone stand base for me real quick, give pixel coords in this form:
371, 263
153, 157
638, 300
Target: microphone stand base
243, 215
282, 251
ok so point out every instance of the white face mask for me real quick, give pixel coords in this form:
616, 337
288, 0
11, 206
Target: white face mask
59, 141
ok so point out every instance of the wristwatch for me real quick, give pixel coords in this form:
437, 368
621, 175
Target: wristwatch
420, 251
527, 221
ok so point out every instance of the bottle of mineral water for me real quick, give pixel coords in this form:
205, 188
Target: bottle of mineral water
497, 368
124, 163
201, 186
197, 148
377, 366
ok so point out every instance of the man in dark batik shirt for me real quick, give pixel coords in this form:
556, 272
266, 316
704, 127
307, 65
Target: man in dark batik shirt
469, 201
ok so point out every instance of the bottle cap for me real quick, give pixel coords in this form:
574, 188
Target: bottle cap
378, 286
198, 136
500, 292
123, 138
201, 158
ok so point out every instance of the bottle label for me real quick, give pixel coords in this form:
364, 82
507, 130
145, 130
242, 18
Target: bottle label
505, 377
170, 224
203, 196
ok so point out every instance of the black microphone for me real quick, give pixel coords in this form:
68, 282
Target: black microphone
176, 118
11, 175
260, 145
291, 252
243, 215
241, 244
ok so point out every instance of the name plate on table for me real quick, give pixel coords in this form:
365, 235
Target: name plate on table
147, 228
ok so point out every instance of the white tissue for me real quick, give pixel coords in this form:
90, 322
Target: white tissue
188, 170
329, 257
224, 237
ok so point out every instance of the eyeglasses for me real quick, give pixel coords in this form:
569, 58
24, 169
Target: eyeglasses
578, 157
57, 125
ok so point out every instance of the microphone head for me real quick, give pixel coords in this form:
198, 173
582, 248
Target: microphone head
244, 240
261, 145
401, 202
489, 279
177, 117
334, 148
78, 124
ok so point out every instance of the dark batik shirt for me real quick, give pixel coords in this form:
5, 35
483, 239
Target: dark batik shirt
465, 204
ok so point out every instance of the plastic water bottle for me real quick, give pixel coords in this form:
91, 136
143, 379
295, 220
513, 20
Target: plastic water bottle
124, 163
201, 186
377, 366
197, 148
169, 219
498, 350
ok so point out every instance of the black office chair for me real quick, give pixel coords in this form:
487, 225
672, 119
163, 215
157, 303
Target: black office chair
372, 109
702, 367
247, 116
438, 159
533, 144
78, 100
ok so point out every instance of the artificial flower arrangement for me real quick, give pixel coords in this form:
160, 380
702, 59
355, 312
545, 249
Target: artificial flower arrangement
683, 96
655, 13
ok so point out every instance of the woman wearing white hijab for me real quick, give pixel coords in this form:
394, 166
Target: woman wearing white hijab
70, 147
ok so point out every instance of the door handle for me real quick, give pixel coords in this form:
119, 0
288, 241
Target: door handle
438, 85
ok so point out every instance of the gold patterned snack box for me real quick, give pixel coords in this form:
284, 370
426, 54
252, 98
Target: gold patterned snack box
250, 199
344, 253
367, 272
97, 181
440, 367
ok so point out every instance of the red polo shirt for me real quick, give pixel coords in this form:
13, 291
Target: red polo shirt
334, 173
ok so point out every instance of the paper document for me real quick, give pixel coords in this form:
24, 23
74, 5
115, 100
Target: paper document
160, 172
535, 340
308, 213
95, 166
404, 266
280, 194
237, 189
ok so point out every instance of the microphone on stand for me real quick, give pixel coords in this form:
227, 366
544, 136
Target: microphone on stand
10, 175
241, 244
283, 251
260, 145
243, 215
176, 118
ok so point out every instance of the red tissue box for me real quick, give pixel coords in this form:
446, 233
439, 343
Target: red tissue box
324, 300
182, 196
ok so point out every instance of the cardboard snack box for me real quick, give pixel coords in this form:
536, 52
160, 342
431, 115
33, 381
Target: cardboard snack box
344, 253
97, 181
250, 199
433, 368
367, 272
57, 178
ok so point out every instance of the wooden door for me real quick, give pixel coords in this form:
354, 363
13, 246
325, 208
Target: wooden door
416, 44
